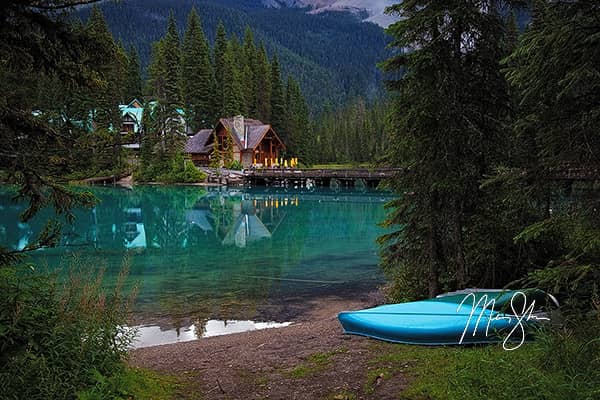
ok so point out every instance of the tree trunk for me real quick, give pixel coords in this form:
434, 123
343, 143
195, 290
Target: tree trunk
461, 267
434, 260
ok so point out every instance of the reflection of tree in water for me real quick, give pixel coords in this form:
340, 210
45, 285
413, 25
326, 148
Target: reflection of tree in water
164, 211
222, 209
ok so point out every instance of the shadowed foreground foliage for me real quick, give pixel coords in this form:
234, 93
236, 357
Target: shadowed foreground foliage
59, 338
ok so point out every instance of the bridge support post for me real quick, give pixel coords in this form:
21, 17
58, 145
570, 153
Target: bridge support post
335, 184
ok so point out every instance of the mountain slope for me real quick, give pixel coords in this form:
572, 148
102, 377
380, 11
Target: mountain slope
333, 55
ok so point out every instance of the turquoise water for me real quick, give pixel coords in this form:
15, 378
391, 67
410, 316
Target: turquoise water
225, 254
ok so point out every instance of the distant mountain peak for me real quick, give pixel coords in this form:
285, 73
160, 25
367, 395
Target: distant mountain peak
374, 9
283, 3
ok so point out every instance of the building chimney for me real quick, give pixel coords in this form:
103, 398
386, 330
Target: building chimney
239, 127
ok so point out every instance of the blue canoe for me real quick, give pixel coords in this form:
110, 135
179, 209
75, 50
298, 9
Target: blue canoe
445, 321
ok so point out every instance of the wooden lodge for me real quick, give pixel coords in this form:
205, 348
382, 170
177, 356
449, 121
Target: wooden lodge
200, 147
254, 143
131, 115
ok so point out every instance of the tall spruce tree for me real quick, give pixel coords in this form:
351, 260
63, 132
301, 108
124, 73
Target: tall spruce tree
164, 130
232, 93
448, 130
263, 85
171, 53
556, 73
278, 109
133, 88
249, 72
100, 109
219, 51
197, 77
105, 97
300, 138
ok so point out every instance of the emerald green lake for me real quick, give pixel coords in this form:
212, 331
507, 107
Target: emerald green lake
224, 254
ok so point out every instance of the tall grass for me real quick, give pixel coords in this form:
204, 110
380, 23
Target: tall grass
558, 365
59, 338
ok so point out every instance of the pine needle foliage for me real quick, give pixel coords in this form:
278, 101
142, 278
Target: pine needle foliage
448, 127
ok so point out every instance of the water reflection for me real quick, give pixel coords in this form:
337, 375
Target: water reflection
138, 221
133, 228
218, 254
154, 335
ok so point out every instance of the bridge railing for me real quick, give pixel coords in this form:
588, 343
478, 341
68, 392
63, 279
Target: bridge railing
379, 173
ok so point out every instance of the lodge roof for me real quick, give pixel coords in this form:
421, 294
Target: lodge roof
198, 144
256, 130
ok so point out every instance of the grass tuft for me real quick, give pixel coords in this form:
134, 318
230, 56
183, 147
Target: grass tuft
318, 362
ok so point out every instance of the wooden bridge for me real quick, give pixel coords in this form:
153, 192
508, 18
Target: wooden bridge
359, 177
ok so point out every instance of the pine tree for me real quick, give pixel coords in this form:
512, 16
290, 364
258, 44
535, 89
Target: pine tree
171, 50
165, 68
163, 120
156, 71
220, 49
197, 76
249, 72
263, 86
105, 97
100, 102
556, 73
300, 139
232, 93
133, 88
278, 109
448, 129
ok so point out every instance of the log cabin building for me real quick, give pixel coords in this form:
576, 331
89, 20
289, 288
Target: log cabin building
131, 115
254, 143
200, 147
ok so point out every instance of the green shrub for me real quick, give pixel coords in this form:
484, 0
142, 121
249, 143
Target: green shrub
131, 384
234, 164
191, 174
58, 339
179, 170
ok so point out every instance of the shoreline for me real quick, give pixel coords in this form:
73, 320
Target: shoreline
275, 363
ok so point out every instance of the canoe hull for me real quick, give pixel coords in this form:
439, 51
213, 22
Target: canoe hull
429, 323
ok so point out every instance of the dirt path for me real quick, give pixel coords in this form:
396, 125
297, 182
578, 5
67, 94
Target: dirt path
310, 359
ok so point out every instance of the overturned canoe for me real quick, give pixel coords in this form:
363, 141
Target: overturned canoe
473, 316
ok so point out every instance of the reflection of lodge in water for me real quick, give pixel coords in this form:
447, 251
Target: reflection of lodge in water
133, 228
231, 219
241, 221
249, 226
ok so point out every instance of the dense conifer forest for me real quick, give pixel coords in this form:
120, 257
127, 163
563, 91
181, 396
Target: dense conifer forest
332, 56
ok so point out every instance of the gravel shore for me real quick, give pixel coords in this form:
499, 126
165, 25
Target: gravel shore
311, 359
